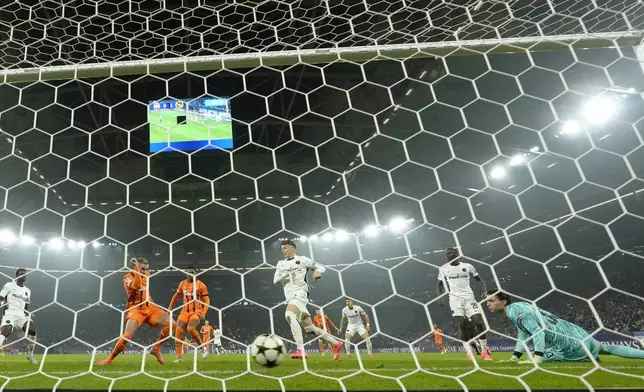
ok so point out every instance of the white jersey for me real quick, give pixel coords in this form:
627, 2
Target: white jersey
353, 315
292, 274
17, 297
217, 334
456, 279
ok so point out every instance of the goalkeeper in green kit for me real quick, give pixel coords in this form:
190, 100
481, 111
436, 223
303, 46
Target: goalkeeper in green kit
554, 339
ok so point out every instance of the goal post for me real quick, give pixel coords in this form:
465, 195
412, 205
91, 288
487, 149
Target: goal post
321, 56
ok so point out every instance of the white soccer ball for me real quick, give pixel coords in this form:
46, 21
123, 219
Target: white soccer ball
268, 350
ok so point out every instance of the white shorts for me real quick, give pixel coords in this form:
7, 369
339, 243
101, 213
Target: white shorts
464, 307
216, 342
356, 329
15, 320
299, 299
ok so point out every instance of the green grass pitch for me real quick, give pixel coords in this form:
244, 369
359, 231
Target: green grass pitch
209, 130
433, 371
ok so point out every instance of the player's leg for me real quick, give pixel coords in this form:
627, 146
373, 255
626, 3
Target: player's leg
307, 324
461, 324
364, 335
182, 324
192, 330
348, 335
321, 346
292, 316
479, 324
30, 329
160, 318
5, 329
133, 323
620, 351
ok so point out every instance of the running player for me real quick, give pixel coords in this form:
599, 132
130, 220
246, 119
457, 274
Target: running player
217, 340
140, 309
358, 322
206, 334
195, 306
323, 321
291, 273
554, 339
14, 304
455, 278
437, 334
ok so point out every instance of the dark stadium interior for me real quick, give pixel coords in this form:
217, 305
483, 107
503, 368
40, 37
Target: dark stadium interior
322, 148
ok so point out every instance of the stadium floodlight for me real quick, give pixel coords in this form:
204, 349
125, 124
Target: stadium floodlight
327, 237
570, 127
303, 238
71, 244
81, 244
27, 240
341, 235
371, 231
535, 149
313, 238
7, 236
600, 109
517, 160
498, 172
56, 243
397, 224
96, 244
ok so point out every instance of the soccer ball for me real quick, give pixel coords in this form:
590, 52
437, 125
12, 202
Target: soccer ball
267, 350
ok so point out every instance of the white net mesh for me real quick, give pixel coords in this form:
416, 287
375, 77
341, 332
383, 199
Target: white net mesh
375, 134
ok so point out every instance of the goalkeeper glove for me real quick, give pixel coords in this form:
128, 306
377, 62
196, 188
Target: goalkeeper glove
536, 360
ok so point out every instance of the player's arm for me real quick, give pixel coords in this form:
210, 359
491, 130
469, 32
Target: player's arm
137, 282
4, 293
528, 322
342, 322
474, 274
318, 269
365, 316
205, 298
440, 287
176, 296
280, 274
329, 322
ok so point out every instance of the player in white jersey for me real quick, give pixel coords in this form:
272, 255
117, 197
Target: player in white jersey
292, 274
14, 303
357, 322
455, 278
216, 341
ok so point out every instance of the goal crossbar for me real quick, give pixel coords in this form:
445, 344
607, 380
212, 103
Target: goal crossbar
319, 56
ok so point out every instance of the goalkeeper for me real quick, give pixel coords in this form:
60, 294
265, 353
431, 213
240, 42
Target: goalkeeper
554, 339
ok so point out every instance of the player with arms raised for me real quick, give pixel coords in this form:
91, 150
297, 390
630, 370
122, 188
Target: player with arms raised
195, 306
455, 278
14, 304
291, 272
358, 322
554, 339
140, 310
323, 321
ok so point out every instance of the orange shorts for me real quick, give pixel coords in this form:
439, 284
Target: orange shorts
438, 341
185, 317
146, 315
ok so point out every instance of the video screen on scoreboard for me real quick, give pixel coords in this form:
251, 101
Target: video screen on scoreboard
190, 124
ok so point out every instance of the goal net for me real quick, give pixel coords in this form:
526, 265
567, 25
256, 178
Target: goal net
373, 134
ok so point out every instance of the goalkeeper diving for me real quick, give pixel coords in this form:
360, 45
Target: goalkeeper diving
554, 339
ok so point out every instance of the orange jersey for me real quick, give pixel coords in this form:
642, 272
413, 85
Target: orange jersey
136, 289
437, 334
194, 296
206, 331
324, 324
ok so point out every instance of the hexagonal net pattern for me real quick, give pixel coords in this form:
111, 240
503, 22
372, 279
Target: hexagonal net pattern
375, 135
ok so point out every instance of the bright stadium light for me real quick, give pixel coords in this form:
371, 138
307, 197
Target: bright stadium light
303, 238
397, 224
81, 244
327, 237
7, 236
517, 160
497, 172
27, 240
600, 109
534, 149
371, 231
96, 244
71, 244
341, 235
313, 238
570, 127
56, 243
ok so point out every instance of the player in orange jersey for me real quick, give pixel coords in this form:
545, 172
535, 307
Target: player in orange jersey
195, 305
140, 310
324, 323
206, 334
186, 345
437, 333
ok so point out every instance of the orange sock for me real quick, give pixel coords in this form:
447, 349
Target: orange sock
120, 346
178, 343
165, 332
195, 336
